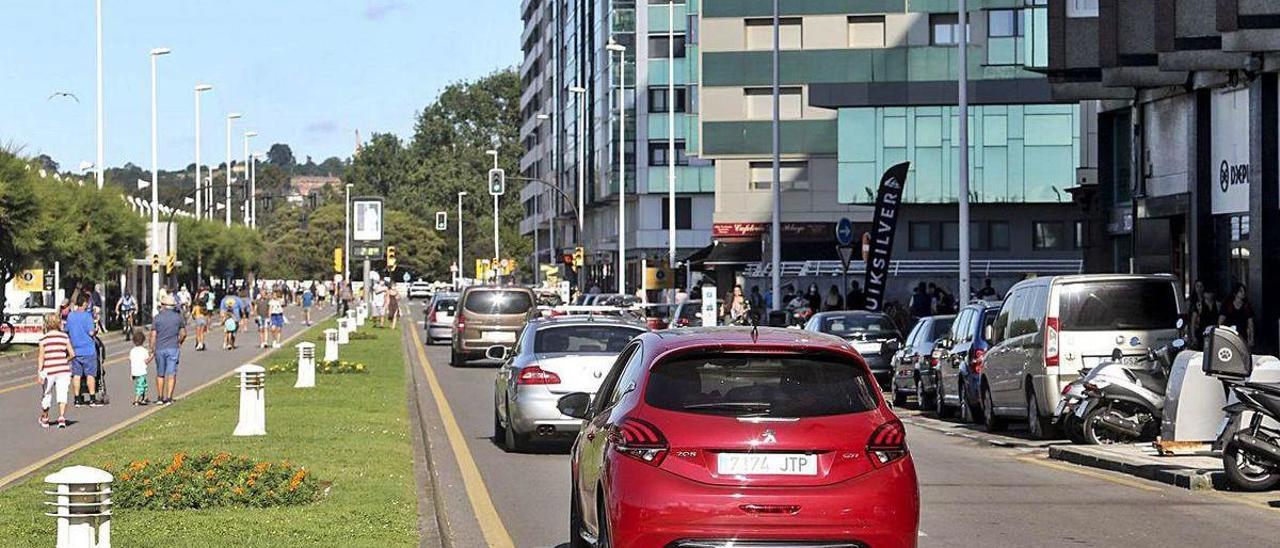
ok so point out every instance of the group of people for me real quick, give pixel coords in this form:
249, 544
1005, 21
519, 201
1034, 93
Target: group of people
384, 302
1207, 310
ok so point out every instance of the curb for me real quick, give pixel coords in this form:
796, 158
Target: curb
1194, 479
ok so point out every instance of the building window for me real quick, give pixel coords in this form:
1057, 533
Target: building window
658, 153
951, 236
944, 29
759, 33
866, 31
760, 103
1047, 235
794, 175
1004, 37
1082, 8
658, 99
998, 235
684, 214
920, 236
659, 46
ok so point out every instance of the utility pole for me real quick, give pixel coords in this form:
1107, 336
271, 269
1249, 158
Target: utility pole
963, 93
458, 281
155, 184
98, 166
775, 228
671, 136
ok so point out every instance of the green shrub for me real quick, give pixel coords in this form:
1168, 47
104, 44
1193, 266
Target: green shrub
337, 367
210, 481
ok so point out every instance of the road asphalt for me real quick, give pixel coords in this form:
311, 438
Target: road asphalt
20, 397
973, 492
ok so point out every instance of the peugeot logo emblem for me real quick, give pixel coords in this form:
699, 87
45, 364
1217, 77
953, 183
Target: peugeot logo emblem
768, 436
597, 374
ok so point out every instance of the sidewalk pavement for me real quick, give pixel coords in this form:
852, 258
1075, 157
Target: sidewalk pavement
1199, 471
30, 447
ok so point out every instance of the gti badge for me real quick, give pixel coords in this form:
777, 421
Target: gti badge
768, 437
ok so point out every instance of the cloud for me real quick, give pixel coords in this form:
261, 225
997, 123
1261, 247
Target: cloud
323, 126
376, 11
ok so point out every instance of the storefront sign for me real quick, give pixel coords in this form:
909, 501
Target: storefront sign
738, 230
1229, 151
811, 232
883, 227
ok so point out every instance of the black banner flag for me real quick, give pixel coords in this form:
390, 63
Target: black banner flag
888, 200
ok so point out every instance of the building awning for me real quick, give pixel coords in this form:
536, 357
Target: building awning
726, 253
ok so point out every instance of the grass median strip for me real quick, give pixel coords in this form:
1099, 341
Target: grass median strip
351, 430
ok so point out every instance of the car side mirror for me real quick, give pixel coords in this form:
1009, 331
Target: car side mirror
496, 352
575, 405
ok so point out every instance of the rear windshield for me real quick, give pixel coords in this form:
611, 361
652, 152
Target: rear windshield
498, 302
941, 326
446, 305
1118, 305
859, 325
760, 386
583, 339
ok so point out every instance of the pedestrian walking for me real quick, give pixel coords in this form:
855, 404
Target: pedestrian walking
200, 316
814, 298
379, 302
738, 310
393, 305
53, 369
308, 299
184, 300
168, 332
833, 300
81, 329
346, 298
230, 325
261, 317
1205, 311
1237, 313
276, 308
139, 357
855, 299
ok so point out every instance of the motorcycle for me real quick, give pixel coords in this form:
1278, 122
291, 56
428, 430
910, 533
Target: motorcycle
1250, 438
1118, 401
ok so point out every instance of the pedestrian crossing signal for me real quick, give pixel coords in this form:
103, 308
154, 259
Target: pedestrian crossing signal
337, 260
497, 182
391, 257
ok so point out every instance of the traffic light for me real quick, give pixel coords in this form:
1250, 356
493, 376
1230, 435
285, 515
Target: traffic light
391, 257
169, 263
155, 262
337, 260
497, 182
579, 257
442, 220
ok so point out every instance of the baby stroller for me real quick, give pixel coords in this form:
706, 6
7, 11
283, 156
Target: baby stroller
82, 391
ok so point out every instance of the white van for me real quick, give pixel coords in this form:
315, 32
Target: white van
1051, 329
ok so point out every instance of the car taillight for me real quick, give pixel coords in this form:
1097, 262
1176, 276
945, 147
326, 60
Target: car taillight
431, 317
887, 444
979, 358
459, 324
536, 375
1051, 342
682, 322
640, 440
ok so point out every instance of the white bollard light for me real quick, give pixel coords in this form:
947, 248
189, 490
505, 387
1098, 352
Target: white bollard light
344, 331
253, 403
306, 365
82, 506
330, 345
362, 313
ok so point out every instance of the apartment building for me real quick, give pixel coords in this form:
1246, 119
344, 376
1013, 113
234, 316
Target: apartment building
865, 85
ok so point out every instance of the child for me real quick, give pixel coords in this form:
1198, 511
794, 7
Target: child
53, 369
229, 327
139, 357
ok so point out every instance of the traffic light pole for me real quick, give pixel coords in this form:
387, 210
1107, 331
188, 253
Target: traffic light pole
576, 212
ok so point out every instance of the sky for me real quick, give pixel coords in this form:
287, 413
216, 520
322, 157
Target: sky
304, 72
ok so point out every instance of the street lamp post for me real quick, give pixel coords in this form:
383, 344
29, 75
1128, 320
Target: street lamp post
98, 167
248, 199
622, 163
775, 228
346, 257
200, 88
227, 209
581, 94
671, 136
963, 92
155, 182
457, 282
537, 261
496, 254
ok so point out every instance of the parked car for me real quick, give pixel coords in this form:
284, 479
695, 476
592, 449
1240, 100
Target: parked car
489, 316
866, 331
420, 289
1049, 329
553, 357
960, 354
915, 356
657, 316
439, 317
689, 313
739, 437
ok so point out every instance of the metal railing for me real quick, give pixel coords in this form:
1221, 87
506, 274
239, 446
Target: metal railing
979, 268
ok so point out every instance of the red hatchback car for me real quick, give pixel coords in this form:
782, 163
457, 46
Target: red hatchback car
723, 437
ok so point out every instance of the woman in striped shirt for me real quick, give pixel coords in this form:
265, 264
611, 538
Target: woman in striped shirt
53, 369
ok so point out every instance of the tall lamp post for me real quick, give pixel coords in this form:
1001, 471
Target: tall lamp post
496, 254
671, 137
253, 188
230, 118
775, 227
97, 167
622, 162
458, 280
581, 94
346, 257
963, 93
537, 260
155, 182
203, 195
248, 198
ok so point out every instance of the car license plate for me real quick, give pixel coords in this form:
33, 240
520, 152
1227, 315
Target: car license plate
498, 336
867, 348
766, 464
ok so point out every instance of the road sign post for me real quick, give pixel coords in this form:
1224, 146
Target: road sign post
844, 246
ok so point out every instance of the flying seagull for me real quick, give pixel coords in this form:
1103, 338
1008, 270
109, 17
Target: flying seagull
64, 94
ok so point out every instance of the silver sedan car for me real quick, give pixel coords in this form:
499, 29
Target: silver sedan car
551, 358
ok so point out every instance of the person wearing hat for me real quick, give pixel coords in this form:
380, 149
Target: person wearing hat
168, 332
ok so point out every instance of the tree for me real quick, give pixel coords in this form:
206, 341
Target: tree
280, 155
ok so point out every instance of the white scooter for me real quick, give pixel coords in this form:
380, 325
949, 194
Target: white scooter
1250, 437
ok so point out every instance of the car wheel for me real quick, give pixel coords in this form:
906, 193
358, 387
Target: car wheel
514, 442
966, 409
575, 521
456, 358
499, 433
1244, 474
940, 402
899, 399
989, 418
922, 399
1040, 428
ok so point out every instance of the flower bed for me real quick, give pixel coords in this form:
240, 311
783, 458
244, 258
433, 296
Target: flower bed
210, 481
361, 336
338, 367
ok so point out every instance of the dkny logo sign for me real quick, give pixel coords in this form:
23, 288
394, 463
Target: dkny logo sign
1229, 175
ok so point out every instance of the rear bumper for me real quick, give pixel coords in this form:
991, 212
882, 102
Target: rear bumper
533, 408
880, 368
650, 507
439, 331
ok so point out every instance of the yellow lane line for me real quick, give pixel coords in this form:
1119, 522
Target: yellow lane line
1090, 473
495, 534
5, 481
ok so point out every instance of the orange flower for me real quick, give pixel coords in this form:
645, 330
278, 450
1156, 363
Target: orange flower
208, 474
148, 493
261, 467
238, 490
177, 463
297, 479
251, 482
221, 458
126, 477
